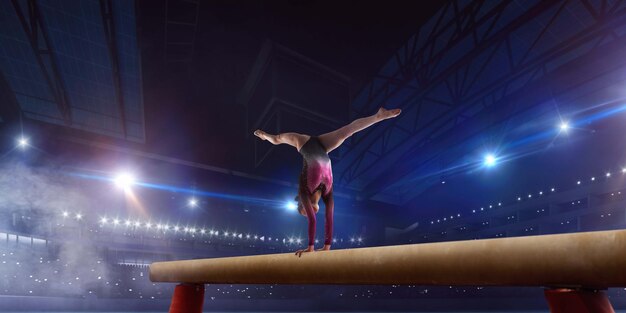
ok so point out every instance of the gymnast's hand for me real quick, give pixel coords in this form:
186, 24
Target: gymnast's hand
309, 249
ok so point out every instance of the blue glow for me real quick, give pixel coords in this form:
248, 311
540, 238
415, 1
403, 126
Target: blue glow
192, 192
490, 160
291, 206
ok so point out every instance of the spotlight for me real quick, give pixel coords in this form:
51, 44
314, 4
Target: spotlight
490, 160
65, 214
137, 224
624, 170
608, 174
103, 220
193, 202
128, 222
564, 126
22, 142
116, 221
291, 206
124, 180
79, 216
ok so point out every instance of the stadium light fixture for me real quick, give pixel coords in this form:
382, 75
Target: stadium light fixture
192, 202
490, 160
564, 126
124, 180
22, 142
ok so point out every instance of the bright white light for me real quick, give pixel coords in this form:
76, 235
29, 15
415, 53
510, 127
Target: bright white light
79, 216
137, 224
124, 180
116, 221
624, 170
193, 202
22, 142
148, 225
202, 231
608, 174
65, 214
490, 160
128, 222
291, 206
564, 126
103, 220
360, 239
176, 228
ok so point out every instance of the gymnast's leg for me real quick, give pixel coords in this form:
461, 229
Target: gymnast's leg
329, 202
293, 139
335, 138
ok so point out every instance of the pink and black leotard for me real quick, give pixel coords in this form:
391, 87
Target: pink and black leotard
317, 175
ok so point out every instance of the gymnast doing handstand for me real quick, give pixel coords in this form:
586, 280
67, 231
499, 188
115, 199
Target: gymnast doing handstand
316, 178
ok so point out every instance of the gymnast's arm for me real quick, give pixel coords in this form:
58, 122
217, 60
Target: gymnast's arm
312, 223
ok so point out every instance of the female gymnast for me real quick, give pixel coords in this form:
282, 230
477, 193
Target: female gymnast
316, 178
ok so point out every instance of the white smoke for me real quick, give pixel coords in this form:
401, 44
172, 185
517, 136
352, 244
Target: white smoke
32, 201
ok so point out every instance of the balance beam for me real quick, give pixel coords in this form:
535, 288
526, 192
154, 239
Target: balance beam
577, 261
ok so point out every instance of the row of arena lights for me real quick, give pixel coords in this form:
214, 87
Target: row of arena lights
519, 198
198, 231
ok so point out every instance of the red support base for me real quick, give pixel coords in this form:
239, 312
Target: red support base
187, 298
578, 301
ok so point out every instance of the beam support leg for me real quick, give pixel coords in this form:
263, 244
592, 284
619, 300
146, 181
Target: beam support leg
578, 301
188, 298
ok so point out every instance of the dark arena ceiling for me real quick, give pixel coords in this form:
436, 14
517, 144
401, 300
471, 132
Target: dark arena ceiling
186, 83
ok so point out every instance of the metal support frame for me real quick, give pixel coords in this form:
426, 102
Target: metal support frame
108, 23
193, 26
423, 71
37, 34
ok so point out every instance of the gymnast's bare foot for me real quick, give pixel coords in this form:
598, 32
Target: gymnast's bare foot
326, 248
384, 114
261, 134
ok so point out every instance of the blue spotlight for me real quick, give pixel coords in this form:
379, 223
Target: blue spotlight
490, 160
291, 206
